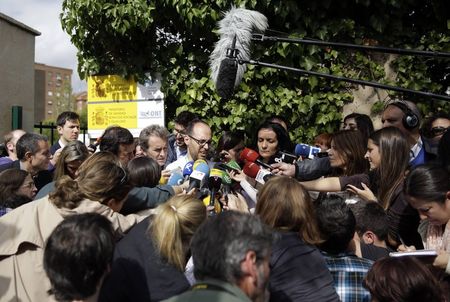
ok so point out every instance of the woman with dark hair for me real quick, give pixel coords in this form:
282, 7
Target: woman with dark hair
16, 188
100, 187
427, 189
346, 154
144, 172
298, 271
388, 156
444, 150
229, 146
71, 157
360, 122
402, 279
271, 138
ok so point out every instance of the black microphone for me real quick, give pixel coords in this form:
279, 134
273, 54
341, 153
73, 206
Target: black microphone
238, 24
226, 78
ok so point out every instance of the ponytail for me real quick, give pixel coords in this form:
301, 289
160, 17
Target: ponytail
66, 194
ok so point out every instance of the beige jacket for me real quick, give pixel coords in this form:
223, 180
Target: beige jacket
23, 233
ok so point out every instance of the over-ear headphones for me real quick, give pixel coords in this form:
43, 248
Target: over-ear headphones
410, 120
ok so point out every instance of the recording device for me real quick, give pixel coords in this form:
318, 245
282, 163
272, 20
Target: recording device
285, 157
198, 175
307, 151
250, 155
254, 171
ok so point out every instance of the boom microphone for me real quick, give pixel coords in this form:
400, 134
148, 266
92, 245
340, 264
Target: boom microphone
235, 29
252, 156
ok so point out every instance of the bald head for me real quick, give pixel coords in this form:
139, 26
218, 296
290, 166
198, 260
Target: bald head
11, 139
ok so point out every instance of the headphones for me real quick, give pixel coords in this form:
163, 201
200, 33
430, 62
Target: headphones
410, 120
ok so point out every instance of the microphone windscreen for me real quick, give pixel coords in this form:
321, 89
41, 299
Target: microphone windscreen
226, 179
226, 78
188, 168
175, 179
249, 155
202, 167
198, 162
215, 179
251, 169
233, 165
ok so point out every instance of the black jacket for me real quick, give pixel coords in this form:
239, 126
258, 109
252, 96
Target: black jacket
139, 273
298, 272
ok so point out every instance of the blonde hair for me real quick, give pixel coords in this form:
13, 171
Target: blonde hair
285, 205
173, 226
100, 178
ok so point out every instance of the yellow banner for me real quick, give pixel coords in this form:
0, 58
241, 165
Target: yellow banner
122, 114
111, 88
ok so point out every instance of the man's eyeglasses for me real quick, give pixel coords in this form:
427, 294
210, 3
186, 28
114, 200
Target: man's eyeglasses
201, 142
436, 131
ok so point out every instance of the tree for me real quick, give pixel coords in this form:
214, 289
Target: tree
175, 37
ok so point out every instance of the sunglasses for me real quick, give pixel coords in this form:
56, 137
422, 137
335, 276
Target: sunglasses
436, 131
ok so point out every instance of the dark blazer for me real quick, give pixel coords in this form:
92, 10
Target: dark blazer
40, 179
55, 147
298, 272
139, 273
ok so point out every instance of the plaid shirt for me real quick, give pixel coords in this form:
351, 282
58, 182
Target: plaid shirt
348, 272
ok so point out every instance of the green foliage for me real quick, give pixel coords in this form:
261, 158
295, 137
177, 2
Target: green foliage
175, 37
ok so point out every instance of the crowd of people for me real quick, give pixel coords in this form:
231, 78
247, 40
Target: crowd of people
172, 216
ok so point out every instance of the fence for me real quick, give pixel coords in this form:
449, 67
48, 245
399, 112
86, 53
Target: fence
51, 129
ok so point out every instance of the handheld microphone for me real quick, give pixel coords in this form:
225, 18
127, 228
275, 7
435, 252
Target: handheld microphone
252, 156
175, 179
214, 183
305, 150
254, 171
285, 157
198, 176
187, 170
226, 184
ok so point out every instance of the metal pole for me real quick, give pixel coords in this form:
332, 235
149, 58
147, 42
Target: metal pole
401, 51
344, 79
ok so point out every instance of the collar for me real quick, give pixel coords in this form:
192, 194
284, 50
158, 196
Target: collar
415, 150
216, 284
61, 143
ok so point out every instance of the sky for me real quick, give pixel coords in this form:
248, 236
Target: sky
53, 46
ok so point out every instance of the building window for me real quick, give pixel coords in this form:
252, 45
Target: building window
50, 83
50, 102
50, 93
49, 112
58, 94
66, 77
50, 74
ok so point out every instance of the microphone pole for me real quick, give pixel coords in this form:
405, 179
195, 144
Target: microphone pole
400, 51
344, 79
